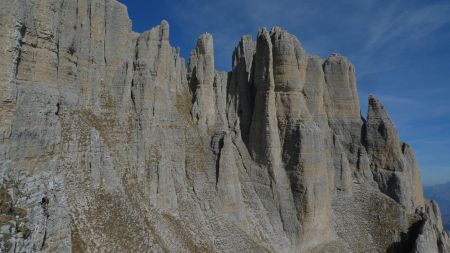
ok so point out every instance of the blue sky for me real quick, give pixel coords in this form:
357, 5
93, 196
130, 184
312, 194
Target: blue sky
401, 50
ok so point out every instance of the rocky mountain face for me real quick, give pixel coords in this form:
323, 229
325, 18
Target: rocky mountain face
110, 142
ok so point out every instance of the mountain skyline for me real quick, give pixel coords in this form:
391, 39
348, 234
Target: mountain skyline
112, 142
400, 50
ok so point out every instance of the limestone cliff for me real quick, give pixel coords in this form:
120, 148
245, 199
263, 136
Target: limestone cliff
110, 142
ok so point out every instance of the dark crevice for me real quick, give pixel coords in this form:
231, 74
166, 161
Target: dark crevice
133, 98
71, 50
44, 204
364, 132
44, 239
57, 59
394, 188
135, 69
294, 169
252, 93
358, 161
157, 178
22, 29
382, 130
408, 239
154, 103
193, 84
404, 147
89, 14
105, 38
241, 88
136, 54
217, 144
218, 160
58, 35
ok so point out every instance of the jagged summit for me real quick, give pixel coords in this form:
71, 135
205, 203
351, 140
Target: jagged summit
109, 141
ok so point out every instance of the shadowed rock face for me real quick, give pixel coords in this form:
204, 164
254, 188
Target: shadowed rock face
109, 141
393, 162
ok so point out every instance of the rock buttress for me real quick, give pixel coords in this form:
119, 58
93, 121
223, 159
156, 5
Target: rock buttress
109, 141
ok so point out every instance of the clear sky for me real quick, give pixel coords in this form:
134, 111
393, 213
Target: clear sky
401, 50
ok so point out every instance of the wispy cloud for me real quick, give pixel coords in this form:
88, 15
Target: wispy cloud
397, 100
398, 23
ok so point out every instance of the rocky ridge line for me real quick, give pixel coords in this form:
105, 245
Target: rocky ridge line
111, 142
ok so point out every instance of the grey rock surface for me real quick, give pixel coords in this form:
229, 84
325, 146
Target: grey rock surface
392, 161
110, 142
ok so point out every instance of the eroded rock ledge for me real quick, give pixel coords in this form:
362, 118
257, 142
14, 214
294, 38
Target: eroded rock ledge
109, 141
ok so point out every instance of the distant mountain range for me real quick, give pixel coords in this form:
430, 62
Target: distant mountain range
441, 193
